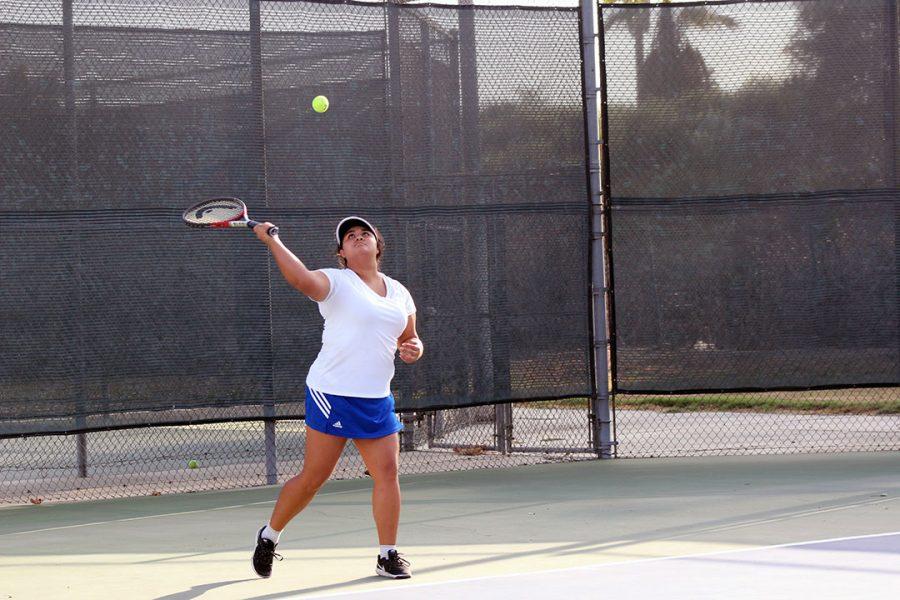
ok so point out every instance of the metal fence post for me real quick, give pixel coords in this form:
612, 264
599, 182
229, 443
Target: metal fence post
890, 89
393, 75
480, 355
71, 193
890, 115
256, 86
503, 427
592, 48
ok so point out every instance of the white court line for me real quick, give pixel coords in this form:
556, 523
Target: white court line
615, 564
188, 512
708, 530
185, 512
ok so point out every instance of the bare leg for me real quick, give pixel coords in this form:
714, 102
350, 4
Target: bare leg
322, 454
381, 456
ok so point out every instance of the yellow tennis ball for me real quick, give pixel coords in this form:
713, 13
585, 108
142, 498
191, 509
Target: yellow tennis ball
192, 464
320, 104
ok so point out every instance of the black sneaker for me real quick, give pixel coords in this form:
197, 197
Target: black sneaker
263, 555
394, 566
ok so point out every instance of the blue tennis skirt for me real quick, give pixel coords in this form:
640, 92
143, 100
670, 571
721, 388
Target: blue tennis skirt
350, 417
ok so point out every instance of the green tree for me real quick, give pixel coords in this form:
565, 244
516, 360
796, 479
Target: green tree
839, 54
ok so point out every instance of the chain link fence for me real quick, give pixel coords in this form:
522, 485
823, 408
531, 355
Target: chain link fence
157, 460
754, 214
755, 224
457, 130
847, 420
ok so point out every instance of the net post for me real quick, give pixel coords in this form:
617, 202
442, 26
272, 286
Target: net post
598, 184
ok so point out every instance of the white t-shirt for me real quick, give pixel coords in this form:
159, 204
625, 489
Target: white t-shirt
359, 340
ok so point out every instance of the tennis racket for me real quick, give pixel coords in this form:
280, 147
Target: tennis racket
219, 213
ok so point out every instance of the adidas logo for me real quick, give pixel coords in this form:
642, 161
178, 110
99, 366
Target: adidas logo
338, 425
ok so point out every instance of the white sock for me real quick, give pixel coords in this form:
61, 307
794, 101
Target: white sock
383, 552
271, 534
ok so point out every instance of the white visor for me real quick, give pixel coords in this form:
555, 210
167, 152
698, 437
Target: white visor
337, 231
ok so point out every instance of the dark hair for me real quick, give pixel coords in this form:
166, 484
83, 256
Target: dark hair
379, 245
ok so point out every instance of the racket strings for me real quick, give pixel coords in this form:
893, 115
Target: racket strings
214, 212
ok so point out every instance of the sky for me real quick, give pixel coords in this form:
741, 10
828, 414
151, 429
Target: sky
756, 48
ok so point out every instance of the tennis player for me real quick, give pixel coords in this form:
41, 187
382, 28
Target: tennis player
368, 317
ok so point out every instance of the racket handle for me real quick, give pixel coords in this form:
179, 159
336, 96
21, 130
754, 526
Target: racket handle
273, 230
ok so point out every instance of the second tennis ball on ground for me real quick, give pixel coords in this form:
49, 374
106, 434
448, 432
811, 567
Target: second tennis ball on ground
320, 104
192, 464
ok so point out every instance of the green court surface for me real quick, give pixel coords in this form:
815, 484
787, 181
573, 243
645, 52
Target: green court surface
470, 527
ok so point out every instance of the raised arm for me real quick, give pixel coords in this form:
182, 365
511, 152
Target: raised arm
311, 283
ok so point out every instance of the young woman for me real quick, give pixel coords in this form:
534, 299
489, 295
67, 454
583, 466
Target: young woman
368, 317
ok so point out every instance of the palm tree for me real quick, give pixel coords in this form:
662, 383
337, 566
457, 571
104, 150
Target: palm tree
637, 22
670, 53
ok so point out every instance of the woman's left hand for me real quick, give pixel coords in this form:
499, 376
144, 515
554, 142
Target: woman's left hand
411, 350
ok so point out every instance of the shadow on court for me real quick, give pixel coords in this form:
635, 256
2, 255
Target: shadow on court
198, 590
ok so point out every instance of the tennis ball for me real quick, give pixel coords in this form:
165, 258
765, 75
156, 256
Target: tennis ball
192, 464
320, 104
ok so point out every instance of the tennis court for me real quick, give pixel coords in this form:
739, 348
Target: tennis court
780, 527
654, 254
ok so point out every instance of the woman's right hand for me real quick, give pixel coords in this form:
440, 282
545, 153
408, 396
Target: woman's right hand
262, 232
